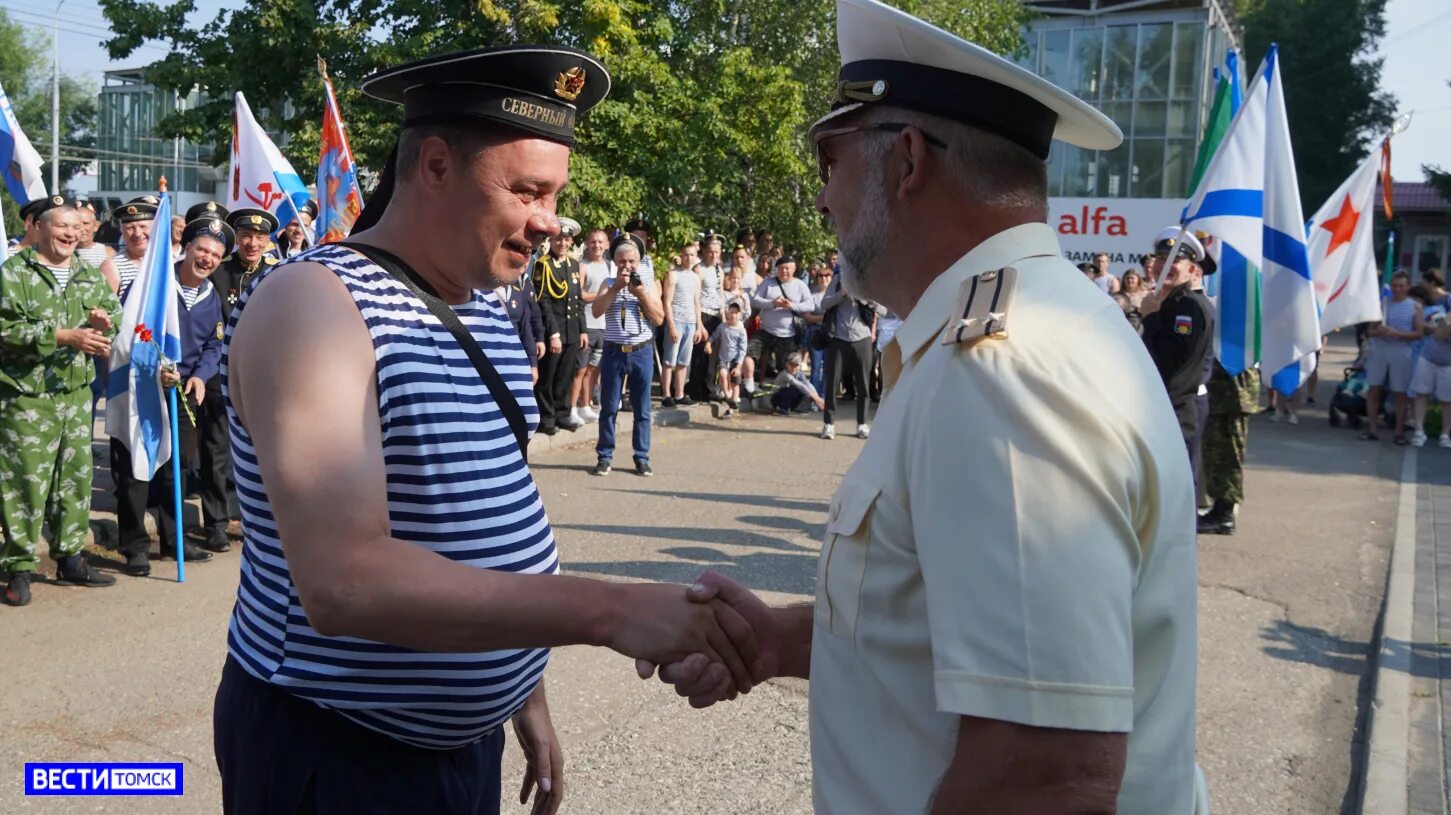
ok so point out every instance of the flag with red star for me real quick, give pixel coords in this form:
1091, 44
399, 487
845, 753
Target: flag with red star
1342, 255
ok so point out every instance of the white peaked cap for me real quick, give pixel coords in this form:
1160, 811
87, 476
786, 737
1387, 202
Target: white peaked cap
1165, 242
890, 57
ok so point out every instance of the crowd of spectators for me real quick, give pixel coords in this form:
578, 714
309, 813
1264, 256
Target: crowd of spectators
740, 326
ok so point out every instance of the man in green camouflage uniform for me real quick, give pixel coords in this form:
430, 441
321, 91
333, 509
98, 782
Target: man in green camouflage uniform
1232, 400
56, 311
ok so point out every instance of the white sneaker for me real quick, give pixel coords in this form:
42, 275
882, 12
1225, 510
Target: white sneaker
1277, 417
863, 430
588, 414
1294, 418
828, 431
1445, 440
1418, 439
575, 417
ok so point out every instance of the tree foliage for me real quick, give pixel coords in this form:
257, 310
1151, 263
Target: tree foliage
25, 74
1332, 82
704, 129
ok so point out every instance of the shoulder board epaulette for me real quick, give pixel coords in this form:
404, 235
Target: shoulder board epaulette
981, 312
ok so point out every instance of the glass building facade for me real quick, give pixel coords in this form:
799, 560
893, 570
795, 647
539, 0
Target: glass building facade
130, 157
1148, 66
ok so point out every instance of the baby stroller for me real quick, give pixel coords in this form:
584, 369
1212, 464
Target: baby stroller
1349, 398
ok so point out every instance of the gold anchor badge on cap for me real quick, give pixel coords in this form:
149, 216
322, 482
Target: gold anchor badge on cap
982, 308
570, 84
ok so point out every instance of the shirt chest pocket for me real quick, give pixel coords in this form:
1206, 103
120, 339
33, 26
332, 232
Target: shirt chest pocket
844, 558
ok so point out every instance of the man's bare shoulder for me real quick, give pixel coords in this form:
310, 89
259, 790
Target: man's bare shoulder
300, 321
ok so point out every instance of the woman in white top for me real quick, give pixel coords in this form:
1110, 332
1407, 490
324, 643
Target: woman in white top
745, 270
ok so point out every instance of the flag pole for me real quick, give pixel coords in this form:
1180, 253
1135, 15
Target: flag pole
175, 464
176, 486
1387, 194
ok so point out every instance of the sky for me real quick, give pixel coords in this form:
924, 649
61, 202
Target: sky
1414, 71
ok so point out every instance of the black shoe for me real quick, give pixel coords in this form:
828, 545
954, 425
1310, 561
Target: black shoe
216, 541
77, 572
548, 430
667, 402
190, 551
570, 425
601, 468
733, 404
1219, 520
685, 401
642, 468
18, 592
137, 564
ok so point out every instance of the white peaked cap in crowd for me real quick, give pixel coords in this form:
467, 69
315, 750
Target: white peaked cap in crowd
1189, 243
890, 57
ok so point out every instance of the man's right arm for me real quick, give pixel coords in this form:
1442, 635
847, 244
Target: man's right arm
21, 333
303, 385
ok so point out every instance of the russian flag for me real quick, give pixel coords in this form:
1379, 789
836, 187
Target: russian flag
136, 404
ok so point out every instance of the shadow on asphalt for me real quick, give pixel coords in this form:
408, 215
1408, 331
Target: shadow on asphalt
1317, 647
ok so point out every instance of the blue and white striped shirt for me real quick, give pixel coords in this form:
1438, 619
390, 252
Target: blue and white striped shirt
457, 485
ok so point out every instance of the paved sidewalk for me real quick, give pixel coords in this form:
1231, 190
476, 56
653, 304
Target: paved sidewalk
1430, 660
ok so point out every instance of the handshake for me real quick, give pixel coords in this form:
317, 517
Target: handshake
726, 642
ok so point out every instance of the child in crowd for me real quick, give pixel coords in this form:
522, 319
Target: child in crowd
729, 344
792, 387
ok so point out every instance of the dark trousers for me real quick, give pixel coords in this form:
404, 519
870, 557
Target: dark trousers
213, 446
774, 351
556, 371
697, 387
854, 359
616, 367
207, 444
787, 398
282, 755
1194, 440
131, 499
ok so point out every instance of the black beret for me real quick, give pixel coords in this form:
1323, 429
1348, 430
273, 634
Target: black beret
206, 209
208, 226
137, 209
310, 208
257, 220
39, 206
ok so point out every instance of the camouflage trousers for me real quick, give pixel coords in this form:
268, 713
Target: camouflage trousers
45, 475
1225, 436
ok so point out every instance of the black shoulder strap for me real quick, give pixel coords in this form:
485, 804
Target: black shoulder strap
503, 397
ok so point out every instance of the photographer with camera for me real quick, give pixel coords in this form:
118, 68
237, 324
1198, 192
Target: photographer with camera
631, 305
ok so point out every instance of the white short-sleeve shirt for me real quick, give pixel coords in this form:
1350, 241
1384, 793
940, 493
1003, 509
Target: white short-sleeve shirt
1015, 542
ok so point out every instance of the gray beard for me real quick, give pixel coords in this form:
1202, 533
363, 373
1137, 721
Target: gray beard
861, 249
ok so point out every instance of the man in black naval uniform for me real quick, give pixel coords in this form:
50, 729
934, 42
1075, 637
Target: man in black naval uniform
1179, 331
254, 228
557, 287
212, 440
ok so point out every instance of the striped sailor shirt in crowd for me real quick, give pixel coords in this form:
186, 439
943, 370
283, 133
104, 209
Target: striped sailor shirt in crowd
126, 269
625, 321
457, 485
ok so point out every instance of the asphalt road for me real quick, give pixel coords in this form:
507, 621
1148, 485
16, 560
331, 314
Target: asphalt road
1287, 608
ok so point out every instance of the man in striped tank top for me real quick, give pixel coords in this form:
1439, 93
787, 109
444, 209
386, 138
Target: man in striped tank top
399, 588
